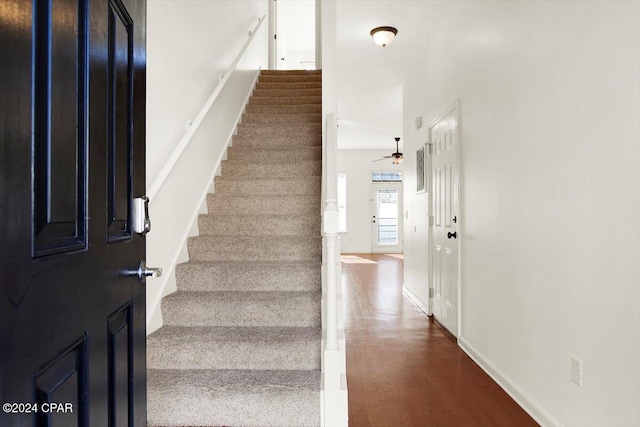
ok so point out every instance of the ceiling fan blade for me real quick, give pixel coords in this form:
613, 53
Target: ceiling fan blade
378, 160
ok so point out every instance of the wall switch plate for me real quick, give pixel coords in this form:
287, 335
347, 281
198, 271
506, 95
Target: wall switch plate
576, 370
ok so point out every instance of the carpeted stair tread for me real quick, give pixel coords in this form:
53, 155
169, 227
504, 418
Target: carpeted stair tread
303, 204
281, 78
284, 109
278, 141
256, 276
266, 129
280, 169
259, 225
218, 347
272, 118
288, 85
233, 308
256, 154
234, 398
284, 92
267, 186
281, 100
257, 248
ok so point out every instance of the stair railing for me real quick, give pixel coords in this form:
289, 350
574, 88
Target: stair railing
334, 387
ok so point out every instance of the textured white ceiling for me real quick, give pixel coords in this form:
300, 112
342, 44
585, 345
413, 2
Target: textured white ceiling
370, 77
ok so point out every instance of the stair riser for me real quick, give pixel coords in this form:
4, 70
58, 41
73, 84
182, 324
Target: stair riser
282, 118
284, 109
287, 93
248, 277
279, 130
301, 311
259, 225
285, 101
234, 355
289, 78
288, 86
238, 168
273, 187
254, 155
212, 248
278, 141
266, 205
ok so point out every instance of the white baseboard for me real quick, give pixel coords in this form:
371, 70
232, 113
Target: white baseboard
531, 407
417, 301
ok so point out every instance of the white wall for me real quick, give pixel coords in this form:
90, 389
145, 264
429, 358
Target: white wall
550, 220
190, 44
358, 165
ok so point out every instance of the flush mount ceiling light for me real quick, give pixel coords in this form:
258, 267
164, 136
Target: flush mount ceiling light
383, 35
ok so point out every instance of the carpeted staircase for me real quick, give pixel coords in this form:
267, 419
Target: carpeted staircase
240, 344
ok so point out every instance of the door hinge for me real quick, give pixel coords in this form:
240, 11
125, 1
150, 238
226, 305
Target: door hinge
431, 220
430, 145
430, 292
275, 36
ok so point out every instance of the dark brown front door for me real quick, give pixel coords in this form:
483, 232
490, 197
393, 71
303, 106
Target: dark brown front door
72, 153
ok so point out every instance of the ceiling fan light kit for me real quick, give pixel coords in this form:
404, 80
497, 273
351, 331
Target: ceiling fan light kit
383, 36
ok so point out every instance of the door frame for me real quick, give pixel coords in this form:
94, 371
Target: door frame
273, 28
400, 231
454, 106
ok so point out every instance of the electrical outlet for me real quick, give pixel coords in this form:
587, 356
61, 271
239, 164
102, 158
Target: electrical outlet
576, 370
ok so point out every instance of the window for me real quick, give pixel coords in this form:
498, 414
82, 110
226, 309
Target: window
342, 202
386, 176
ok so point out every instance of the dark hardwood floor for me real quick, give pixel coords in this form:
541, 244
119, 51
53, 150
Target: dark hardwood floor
402, 369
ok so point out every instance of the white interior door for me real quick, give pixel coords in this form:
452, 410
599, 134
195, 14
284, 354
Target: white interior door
295, 46
387, 218
444, 149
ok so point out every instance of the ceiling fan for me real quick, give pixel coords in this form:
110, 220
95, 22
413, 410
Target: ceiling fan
397, 156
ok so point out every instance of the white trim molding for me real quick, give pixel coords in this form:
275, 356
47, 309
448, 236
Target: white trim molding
531, 407
417, 301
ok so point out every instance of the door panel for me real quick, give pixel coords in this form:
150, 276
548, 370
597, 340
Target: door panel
444, 239
60, 139
72, 322
120, 115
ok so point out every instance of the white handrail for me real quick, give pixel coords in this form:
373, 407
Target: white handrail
155, 186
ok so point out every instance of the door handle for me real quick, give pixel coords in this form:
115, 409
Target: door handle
454, 235
143, 272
